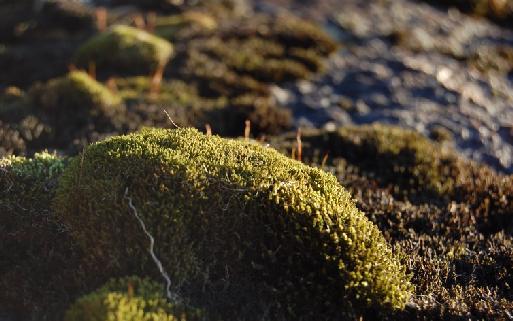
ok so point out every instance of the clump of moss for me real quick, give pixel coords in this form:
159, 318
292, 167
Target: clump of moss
241, 228
126, 50
37, 254
129, 299
460, 270
415, 168
266, 49
397, 156
185, 25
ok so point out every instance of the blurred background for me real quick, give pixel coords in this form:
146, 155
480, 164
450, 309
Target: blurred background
442, 68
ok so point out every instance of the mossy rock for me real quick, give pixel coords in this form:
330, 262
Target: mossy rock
37, 253
394, 155
74, 103
126, 50
241, 229
182, 100
129, 299
75, 93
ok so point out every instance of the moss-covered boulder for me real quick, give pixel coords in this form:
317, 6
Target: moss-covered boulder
36, 251
129, 299
240, 229
125, 50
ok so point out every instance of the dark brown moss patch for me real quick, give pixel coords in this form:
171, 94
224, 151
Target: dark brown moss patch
457, 248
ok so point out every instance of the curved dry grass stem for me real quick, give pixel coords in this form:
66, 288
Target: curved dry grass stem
173, 297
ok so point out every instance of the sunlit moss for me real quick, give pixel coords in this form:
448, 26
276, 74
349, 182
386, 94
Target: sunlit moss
240, 226
125, 49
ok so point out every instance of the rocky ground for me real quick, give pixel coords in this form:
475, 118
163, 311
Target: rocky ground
413, 65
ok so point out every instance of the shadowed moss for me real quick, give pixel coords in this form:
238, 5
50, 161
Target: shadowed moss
415, 168
128, 299
125, 49
239, 228
37, 254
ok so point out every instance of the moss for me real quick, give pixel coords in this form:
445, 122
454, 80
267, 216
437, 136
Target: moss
396, 156
37, 254
184, 25
128, 299
74, 93
241, 228
413, 167
460, 270
188, 108
126, 50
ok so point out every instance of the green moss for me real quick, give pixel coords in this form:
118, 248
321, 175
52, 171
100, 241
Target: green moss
37, 254
125, 49
128, 299
185, 25
396, 156
240, 227
413, 167
74, 93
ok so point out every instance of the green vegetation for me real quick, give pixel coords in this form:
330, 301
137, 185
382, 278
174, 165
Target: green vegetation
415, 168
75, 93
240, 228
457, 244
128, 299
125, 49
37, 253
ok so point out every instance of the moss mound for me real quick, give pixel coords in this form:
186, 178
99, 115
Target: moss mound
74, 105
37, 254
239, 228
12, 142
126, 50
128, 299
75, 92
415, 168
